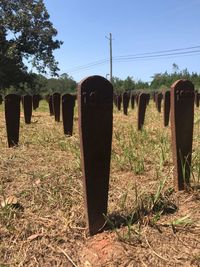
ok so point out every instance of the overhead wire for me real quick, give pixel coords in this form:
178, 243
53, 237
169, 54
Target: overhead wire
193, 50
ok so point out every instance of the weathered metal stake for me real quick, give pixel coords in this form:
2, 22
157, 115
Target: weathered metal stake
119, 102
50, 102
1, 99
95, 108
68, 103
158, 98
36, 101
115, 99
197, 99
125, 101
56, 106
142, 104
132, 100
27, 104
137, 98
166, 107
12, 117
182, 119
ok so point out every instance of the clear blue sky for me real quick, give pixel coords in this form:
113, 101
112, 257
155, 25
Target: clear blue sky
137, 27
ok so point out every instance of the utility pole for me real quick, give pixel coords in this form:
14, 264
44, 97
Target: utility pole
110, 41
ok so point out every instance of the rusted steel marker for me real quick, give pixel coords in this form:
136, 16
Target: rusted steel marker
137, 98
95, 108
119, 102
56, 106
36, 101
154, 96
197, 99
182, 119
132, 100
142, 104
27, 104
12, 117
158, 99
125, 100
68, 103
115, 99
50, 102
166, 107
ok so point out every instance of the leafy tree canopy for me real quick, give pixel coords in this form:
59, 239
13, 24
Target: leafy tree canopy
26, 33
165, 80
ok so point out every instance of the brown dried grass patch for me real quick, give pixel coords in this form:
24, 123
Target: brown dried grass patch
44, 174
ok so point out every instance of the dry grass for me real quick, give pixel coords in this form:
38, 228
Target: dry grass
43, 223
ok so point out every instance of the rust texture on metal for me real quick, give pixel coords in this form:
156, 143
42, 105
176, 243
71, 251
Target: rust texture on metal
119, 101
56, 98
137, 98
125, 101
166, 107
95, 109
1, 99
197, 99
154, 96
36, 101
115, 99
142, 104
68, 103
27, 105
148, 98
158, 100
50, 102
182, 120
12, 117
132, 100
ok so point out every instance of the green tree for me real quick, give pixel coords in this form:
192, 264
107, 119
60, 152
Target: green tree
129, 84
12, 69
165, 80
26, 35
117, 85
140, 85
63, 84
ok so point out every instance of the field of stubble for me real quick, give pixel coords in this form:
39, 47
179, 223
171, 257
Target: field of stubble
42, 211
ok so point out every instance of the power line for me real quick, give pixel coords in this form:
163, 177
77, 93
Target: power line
162, 51
95, 63
156, 56
141, 56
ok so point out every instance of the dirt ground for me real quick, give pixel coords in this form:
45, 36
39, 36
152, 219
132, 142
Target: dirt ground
42, 218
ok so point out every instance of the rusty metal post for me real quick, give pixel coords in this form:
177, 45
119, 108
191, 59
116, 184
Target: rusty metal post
27, 104
132, 100
95, 109
154, 96
158, 98
182, 119
12, 117
166, 107
125, 101
142, 104
119, 102
115, 99
137, 98
56, 106
148, 99
1, 99
68, 103
197, 99
50, 102
36, 101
